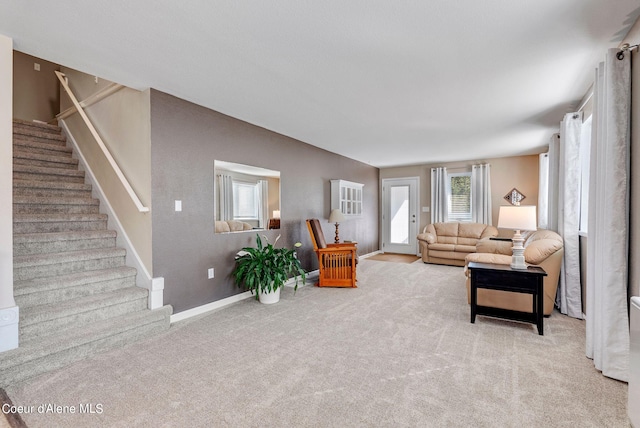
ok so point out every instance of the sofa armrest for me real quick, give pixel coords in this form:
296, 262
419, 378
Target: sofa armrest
427, 237
491, 246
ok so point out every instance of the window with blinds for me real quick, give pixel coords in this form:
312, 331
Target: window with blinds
460, 196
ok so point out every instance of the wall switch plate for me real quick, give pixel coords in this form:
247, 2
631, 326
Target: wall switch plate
210, 273
36, 66
425, 209
178, 205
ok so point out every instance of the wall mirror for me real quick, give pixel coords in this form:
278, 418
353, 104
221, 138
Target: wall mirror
246, 197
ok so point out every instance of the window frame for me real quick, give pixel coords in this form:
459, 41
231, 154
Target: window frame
465, 219
256, 202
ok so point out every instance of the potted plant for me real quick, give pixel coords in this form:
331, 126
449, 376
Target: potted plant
265, 269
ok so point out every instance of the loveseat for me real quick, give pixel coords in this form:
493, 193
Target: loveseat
449, 243
231, 226
543, 248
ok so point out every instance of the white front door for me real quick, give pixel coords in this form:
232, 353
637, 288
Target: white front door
400, 215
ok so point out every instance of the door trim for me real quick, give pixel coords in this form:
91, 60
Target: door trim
383, 200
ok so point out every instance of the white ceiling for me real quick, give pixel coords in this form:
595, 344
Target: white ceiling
384, 82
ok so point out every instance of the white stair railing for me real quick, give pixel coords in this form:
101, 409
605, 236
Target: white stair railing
103, 147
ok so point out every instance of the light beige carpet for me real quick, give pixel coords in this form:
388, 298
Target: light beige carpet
399, 350
392, 257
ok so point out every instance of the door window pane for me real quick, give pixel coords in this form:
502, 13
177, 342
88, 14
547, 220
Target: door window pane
399, 207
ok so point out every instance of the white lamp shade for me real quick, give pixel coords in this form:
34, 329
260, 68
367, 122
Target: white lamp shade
522, 217
336, 216
276, 214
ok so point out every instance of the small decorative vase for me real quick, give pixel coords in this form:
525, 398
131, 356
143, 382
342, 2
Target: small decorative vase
270, 297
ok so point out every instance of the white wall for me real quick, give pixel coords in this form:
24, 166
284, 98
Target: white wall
8, 309
123, 122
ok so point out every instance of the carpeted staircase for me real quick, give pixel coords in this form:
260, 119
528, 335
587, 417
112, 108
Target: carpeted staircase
75, 294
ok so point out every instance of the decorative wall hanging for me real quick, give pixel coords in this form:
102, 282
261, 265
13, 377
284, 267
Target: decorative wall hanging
514, 197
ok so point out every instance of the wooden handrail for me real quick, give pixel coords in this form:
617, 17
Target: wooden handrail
103, 147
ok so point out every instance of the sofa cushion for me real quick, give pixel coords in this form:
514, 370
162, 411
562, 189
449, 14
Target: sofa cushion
452, 255
537, 250
446, 229
223, 226
492, 246
465, 248
427, 237
442, 247
471, 230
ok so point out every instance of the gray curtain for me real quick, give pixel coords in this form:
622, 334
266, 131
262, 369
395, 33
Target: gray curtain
607, 326
481, 194
569, 296
439, 196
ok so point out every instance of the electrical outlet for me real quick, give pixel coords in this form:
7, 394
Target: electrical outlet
36, 66
210, 273
178, 205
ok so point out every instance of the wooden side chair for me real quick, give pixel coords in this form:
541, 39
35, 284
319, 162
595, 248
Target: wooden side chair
337, 261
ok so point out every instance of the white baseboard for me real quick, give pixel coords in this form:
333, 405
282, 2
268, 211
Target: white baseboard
364, 256
9, 318
218, 304
199, 310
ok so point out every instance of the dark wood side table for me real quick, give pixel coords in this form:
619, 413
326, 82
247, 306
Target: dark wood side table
503, 277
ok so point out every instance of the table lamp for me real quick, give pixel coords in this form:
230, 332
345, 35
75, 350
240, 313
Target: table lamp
522, 217
336, 217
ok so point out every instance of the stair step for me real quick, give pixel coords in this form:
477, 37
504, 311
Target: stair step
45, 243
38, 134
45, 354
25, 172
25, 157
42, 205
48, 319
44, 127
35, 147
51, 265
36, 223
50, 189
39, 291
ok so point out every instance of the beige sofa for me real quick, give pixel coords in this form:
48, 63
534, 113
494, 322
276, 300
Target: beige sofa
543, 248
232, 226
449, 243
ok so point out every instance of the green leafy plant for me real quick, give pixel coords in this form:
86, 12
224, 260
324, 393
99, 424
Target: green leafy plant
266, 268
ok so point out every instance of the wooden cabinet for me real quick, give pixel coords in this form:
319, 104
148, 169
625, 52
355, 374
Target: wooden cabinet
347, 196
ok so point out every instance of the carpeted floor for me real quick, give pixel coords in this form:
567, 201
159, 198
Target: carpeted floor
396, 351
392, 257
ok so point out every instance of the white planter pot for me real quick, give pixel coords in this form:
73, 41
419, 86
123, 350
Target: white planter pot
270, 297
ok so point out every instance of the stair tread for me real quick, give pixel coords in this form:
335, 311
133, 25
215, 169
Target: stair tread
57, 217
69, 256
42, 125
63, 236
63, 157
72, 279
46, 312
48, 170
44, 346
19, 142
31, 131
43, 184
55, 200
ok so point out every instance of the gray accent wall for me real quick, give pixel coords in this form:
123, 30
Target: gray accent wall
185, 141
